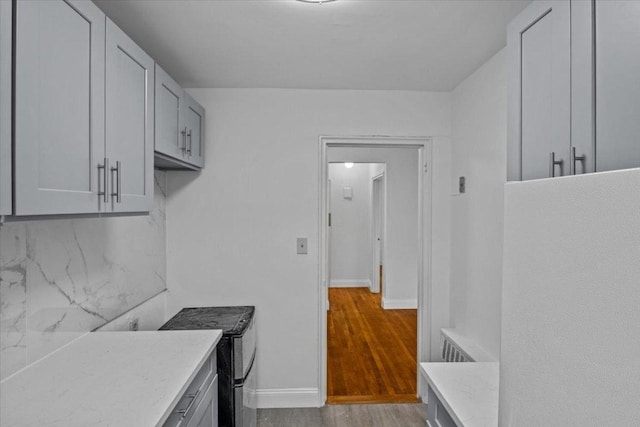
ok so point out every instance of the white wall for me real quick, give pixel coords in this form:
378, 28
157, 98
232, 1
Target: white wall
479, 154
400, 287
570, 347
232, 228
350, 251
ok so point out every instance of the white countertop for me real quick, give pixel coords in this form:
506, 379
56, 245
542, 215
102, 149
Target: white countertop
469, 391
107, 379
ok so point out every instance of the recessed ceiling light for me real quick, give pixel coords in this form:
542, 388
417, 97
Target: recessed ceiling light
348, 165
316, 1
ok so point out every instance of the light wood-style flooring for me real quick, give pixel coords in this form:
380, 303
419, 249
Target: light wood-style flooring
384, 415
371, 354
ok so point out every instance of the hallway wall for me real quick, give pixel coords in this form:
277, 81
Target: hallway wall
350, 251
401, 263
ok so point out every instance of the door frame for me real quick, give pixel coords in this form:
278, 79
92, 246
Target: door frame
376, 209
425, 149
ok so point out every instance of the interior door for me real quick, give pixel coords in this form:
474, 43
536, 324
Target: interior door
377, 232
129, 122
540, 90
617, 76
328, 249
59, 107
5, 107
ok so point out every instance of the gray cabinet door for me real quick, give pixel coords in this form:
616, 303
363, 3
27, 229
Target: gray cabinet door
5, 106
170, 135
617, 84
539, 131
193, 117
59, 107
129, 122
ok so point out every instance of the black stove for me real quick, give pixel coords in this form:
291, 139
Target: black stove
236, 355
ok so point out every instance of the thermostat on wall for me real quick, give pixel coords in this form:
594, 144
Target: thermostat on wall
347, 192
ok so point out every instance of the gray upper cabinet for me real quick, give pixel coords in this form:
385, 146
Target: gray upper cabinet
194, 127
179, 125
539, 91
171, 139
59, 107
129, 122
617, 84
574, 91
5, 107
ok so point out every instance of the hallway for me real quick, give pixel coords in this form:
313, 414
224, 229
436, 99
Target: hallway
371, 355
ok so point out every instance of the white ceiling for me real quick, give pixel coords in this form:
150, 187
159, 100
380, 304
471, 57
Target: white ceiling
346, 44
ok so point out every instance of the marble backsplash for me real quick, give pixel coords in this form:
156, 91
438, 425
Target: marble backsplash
62, 278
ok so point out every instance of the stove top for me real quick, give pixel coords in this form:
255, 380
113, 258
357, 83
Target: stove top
232, 320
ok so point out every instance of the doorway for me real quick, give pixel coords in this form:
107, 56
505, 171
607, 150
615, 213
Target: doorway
421, 152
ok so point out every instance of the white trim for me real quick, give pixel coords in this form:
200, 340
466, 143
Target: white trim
287, 398
395, 304
350, 283
424, 145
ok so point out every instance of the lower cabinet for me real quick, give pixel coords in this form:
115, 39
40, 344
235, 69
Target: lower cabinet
198, 407
437, 415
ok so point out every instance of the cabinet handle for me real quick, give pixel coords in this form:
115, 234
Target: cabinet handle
189, 138
582, 159
105, 168
552, 165
193, 397
184, 140
118, 171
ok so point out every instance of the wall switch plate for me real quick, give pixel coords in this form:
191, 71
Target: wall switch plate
462, 186
302, 245
133, 324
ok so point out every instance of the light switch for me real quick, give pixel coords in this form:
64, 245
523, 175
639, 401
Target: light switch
302, 245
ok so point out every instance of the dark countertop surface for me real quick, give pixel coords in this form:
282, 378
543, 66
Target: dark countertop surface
232, 320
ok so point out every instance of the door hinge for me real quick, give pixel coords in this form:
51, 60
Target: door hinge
329, 219
425, 167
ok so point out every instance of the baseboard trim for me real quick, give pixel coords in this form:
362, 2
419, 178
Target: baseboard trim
350, 283
288, 398
396, 304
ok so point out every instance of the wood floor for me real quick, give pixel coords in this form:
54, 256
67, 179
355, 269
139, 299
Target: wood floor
386, 415
371, 352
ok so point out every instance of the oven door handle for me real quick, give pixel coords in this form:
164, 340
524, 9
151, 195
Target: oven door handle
240, 381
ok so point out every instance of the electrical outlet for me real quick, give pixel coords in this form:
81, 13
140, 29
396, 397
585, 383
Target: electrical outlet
133, 324
462, 186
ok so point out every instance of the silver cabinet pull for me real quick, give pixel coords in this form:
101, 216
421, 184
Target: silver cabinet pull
582, 159
193, 397
552, 165
105, 169
118, 187
184, 140
189, 138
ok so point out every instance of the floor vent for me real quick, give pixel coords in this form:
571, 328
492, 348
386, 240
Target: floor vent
451, 352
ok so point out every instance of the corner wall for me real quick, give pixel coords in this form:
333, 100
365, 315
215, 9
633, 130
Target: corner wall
479, 154
236, 241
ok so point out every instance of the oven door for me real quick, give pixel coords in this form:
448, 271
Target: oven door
245, 399
244, 348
